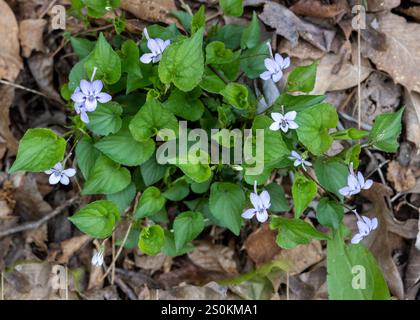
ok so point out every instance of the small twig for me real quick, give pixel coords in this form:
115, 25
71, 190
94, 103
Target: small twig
186, 7
214, 16
364, 126
40, 222
18, 86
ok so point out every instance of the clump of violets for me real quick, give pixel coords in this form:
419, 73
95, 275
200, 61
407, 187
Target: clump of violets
284, 122
275, 66
156, 47
355, 183
87, 95
60, 175
299, 160
261, 203
365, 226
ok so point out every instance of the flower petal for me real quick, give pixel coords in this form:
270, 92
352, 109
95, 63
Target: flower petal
266, 75
147, 58
85, 87
78, 97
345, 191
367, 184
255, 200
54, 178
248, 214
291, 115
265, 199
356, 238
104, 97
286, 63
297, 163
373, 224
276, 116
296, 155
83, 116
277, 76
292, 124
153, 46
70, 172
360, 179
262, 216
271, 65
278, 59
97, 86
275, 126
64, 180
352, 182
284, 127
90, 105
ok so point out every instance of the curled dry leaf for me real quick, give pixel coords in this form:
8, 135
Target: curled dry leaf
7, 140
153, 263
30, 35
402, 178
379, 241
412, 274
261, 245
10, 61
328, 79
302, 50
316, 8
70, 246
412, 117
401, 59
154, 11
290, 26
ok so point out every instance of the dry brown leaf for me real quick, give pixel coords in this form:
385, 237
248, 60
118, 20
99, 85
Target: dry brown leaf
42, 68
261, 245
151, 10
30, 35
290, 26
412, 273
380, 5
152, 263
327, 79
6, 137
412, 117
401, 59
213, 257
70, 246
302, 50
402, 178
315, 8
379, 241
10, 61
411, 11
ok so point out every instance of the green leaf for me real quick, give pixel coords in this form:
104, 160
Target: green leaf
347, 267
185, 104
227, 201
77, 73
252, 60
97, 219
86, 155
252, 33
123, 198
349, 134
296, 103
217, 53
211, 81
303, 191
184, 17
314, 124
199, 172
232, 7
331, 174
106, 60
178, 191
106, 177
278, 199
329, 213
151, 240
183, 63
386, 130
39, 150
151, 201
187, 226
200, 187
351, 155
236, 95
293, 232
131, 66
230, 35
82, 47
151, 118
105, 119
198, 20
151, 171
169, 248
302, 78
123, 149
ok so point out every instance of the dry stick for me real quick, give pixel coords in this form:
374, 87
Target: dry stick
18, 86
40, 222
186, 7
359, 88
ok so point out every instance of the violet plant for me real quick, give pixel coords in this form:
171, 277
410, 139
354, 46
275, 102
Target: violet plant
148, 85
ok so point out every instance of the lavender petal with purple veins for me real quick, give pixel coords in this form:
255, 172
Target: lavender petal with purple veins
365, 226
284, 122
355, 183
299, 161
275, 66
59, 174
156, 46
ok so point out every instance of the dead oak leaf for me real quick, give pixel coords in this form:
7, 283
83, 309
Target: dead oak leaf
290, 26
10, 61
153, 11
401, 177
30, 35
400, 59
412, 117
